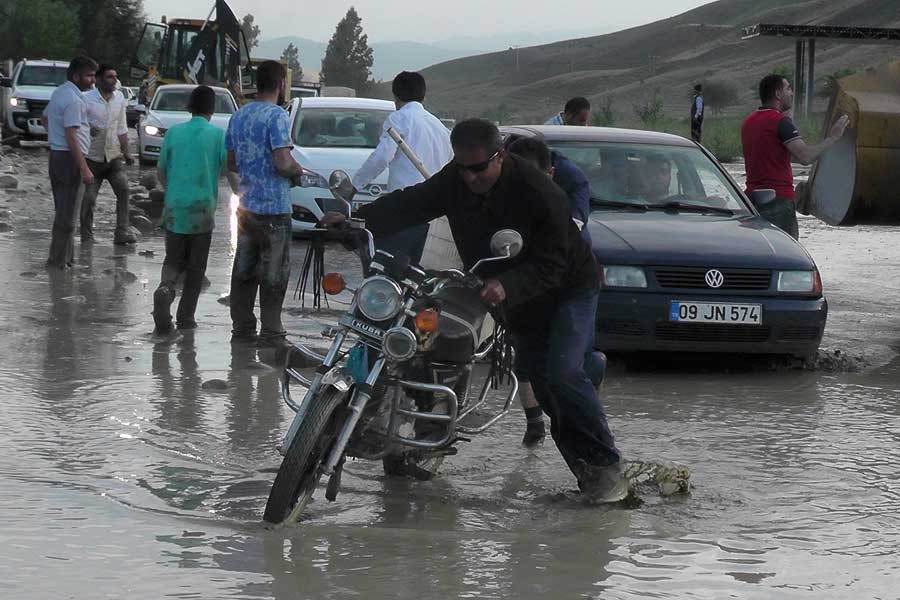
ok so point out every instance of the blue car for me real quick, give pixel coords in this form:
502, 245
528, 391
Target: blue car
686, 262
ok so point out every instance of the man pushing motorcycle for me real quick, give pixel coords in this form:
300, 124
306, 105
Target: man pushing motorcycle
547, 294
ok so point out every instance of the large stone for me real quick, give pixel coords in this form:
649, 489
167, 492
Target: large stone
8, 182
157, 196
142, 223
150, 208
149, 181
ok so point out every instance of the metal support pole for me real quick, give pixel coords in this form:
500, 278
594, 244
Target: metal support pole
798, 75
810, 77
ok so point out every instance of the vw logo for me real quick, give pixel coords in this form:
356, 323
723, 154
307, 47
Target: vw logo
714, 278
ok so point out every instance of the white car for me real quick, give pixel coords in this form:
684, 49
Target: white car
329, 134
30, 86
168, 108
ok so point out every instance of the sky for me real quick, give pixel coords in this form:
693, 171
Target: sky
431, 20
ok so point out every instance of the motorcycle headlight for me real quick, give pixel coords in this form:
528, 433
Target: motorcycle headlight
379, 298
399, 344
626, 277
312, 179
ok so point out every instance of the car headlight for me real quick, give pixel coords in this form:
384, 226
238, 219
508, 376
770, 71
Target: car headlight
153, 130
379, 298
807, 282
312, 179
626, 277
13, 101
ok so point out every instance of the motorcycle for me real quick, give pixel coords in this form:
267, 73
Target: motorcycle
395, 383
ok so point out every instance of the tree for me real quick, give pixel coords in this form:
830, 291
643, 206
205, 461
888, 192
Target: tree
719, 95
251, 31
348, 58
291, 54
37, 29
828, 84
649, 109
603, 113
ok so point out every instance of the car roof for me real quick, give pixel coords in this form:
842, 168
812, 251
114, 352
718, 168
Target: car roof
339, 102
43, 62
567, 133
188, 86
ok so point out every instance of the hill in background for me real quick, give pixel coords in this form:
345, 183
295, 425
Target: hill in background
670, 55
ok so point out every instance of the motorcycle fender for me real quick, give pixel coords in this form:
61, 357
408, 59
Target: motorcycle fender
338, 378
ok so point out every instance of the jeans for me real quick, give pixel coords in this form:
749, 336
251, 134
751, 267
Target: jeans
554, 357
262, 263
114, 173
410, 242
187, 254
68, 190
780, 212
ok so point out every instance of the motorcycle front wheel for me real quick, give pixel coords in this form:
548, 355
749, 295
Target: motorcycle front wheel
299, 474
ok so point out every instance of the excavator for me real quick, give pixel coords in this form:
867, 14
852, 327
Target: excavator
213, 51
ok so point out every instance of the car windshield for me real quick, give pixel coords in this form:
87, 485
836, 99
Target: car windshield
339, 127
177, 101
646, 176
42, 75
302, 93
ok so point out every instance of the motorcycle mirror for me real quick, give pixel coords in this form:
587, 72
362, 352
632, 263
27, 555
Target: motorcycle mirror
341, 188
506, 243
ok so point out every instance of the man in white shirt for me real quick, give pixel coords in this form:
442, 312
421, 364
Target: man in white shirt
107, 155
426, 136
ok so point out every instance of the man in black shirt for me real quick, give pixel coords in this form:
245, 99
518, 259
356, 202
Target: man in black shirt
548, 292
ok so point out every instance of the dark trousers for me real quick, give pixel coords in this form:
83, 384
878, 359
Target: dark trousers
113, 172
780, 212
186, 253
409, 242
68, 190
696, 129
262, 262
555, 359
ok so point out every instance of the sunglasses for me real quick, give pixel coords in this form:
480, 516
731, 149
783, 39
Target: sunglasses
478, 167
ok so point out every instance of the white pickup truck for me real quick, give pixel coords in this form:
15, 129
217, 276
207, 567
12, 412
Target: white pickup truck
27, 93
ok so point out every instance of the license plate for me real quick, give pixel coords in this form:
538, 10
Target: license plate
715, 312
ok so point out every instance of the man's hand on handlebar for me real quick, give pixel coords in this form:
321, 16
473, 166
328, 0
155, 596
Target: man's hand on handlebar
332, 219
493, 293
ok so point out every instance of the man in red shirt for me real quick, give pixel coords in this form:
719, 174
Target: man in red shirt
771, 141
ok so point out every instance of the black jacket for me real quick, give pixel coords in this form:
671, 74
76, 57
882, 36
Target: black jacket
555, 262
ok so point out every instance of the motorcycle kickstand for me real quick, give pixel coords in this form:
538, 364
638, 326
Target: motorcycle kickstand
334, 482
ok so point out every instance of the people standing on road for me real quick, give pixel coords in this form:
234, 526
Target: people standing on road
577, 112
429, 140
192, 157
577, 187
108, 154
69, 135
547, 293
770, 140
697, 114
259, 150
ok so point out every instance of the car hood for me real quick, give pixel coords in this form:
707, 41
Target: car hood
325, 160
168, 119
659, 238
33, 92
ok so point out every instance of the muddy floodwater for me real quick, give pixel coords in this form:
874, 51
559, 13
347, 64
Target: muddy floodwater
133, 468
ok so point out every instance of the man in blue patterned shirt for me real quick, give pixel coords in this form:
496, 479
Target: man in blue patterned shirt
259, 150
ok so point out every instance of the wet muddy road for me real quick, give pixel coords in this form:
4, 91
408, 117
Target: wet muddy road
132, 468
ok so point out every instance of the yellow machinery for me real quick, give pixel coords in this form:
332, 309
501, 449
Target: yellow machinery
856, 181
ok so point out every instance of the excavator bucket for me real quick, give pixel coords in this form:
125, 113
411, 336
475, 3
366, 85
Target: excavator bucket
856, 180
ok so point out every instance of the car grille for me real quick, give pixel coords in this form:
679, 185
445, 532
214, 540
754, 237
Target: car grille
36, 107
629, 327
800, 333
703, 332
695, 278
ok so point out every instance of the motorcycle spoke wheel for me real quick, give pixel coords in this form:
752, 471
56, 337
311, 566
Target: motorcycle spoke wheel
299, 473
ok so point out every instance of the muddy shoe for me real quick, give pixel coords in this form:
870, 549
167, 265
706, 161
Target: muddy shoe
602, 484
162, 316
124, 237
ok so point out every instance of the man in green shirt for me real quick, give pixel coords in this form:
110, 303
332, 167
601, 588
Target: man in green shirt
193, 156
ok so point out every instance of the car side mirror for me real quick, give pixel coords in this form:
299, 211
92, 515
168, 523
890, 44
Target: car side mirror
341, 188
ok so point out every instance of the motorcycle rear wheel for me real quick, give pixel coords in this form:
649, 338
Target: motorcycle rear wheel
299, 474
